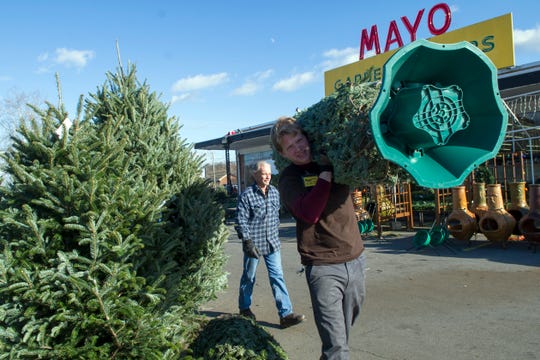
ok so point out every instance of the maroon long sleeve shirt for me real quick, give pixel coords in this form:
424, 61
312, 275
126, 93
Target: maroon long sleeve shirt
326, 226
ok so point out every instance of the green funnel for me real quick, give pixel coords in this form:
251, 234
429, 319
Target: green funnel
439, 113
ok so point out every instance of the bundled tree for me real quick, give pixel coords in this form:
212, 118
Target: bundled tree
110, 239
235, 338
339, 126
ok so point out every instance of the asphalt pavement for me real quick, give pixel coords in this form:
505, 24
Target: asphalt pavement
457, 301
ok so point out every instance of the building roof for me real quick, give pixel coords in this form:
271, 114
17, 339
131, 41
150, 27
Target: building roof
519, 80
251, 137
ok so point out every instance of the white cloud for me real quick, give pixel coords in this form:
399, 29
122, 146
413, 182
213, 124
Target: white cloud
200, 81
181, 98
253, 84
528, 40
263, 75
370, 53
72, 58
338, 57
247, 88
295, 82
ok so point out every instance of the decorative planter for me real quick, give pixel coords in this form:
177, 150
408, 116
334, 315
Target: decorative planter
529, 225
358, 203
479, 206
496, 224
461, 222
518, 206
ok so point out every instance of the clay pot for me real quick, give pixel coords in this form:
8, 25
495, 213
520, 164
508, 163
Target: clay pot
461, 222
496, 224
479, 205
529, 225
518, 206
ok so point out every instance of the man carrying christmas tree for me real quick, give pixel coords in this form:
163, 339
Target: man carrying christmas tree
258, 227
329, 241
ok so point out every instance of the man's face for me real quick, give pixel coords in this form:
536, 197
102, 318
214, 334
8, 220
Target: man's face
296, 148
263, 176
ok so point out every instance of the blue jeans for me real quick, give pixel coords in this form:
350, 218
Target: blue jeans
277, 283
337, 294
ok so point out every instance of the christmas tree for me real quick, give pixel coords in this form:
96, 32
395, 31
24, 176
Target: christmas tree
339, 127
110, 239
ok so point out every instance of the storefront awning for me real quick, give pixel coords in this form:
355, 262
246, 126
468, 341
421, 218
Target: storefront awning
241, 139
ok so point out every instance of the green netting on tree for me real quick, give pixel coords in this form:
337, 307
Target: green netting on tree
236, 338
339, 126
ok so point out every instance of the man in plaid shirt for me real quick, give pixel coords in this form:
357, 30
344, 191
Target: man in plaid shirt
258, 228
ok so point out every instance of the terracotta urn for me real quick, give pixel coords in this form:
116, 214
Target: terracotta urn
529, 225
496, 224
518, 206
461, 222
479, 204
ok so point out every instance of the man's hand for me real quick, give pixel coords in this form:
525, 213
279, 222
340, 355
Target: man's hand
250, 249
325, 164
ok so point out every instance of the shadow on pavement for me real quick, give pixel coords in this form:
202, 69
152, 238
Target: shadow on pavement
515, 252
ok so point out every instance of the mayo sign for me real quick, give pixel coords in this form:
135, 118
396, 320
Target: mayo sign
494, 37
372, 40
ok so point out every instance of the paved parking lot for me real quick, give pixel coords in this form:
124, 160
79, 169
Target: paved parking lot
471, 301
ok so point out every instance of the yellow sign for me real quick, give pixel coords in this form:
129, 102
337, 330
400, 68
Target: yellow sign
310, 181
494, 37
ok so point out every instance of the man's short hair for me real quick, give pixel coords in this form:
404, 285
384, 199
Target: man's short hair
285, 125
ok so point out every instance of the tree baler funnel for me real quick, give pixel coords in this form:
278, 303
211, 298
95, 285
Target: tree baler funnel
439, 113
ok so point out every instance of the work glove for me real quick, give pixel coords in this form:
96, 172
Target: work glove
324, 163
250, 249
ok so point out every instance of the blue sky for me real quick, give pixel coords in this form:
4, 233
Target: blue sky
221, 65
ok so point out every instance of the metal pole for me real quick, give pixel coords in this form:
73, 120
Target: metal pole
213, 169
532, 162
228, 169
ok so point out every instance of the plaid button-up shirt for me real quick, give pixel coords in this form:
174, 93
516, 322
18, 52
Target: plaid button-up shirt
258, 218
